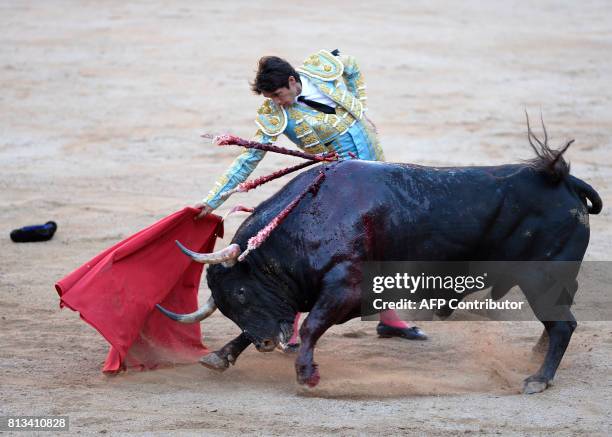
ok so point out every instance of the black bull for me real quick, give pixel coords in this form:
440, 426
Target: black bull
372, 211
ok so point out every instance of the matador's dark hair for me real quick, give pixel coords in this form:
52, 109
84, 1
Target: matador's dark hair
272, 73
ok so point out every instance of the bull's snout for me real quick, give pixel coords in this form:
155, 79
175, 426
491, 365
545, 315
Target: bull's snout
266, 345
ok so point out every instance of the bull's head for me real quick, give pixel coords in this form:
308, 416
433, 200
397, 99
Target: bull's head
240, 294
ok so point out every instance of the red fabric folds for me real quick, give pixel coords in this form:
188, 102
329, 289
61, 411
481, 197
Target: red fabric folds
117, 290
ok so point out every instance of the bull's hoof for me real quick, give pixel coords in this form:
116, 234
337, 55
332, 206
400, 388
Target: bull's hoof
214, 362
535, 384
313, 380
308, 375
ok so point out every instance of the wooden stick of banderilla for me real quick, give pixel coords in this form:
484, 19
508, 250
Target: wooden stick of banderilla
257, 240
249, 185
226, 140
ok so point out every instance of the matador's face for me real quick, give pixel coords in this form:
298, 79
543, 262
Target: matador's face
285, 96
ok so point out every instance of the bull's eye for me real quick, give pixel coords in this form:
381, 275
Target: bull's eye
241, 295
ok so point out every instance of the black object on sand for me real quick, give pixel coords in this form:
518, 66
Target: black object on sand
29, 234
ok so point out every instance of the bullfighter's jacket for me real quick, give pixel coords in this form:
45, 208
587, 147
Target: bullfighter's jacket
337, 77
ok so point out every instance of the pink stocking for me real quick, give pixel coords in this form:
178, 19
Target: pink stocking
295, 338
390, 318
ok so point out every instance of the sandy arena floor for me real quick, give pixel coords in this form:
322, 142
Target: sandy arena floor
102, 105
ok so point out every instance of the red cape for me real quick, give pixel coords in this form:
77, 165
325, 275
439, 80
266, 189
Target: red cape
117, 290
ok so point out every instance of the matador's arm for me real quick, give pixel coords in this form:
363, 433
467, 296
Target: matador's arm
238, 171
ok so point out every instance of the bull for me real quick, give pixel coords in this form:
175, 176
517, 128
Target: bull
374, 211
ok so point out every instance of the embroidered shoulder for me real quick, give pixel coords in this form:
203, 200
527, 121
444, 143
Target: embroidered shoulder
322, 65
271, 118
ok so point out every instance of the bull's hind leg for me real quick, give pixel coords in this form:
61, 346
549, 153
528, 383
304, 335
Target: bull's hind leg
559, 338
337, 302
559, 334
542, 345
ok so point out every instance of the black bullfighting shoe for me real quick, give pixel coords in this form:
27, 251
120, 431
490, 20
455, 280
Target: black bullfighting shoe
412, 333
29, 234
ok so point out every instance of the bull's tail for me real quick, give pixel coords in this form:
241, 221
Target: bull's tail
547, 160
551, 163
585, 191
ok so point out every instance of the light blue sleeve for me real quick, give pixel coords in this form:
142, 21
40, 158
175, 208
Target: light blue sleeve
238, 171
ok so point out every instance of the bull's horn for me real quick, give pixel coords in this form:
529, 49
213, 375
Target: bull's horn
204, 311
226, 256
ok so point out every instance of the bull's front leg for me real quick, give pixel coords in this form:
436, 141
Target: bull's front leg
221, 359
337, 300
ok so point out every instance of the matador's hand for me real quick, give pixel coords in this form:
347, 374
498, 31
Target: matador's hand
205, 210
